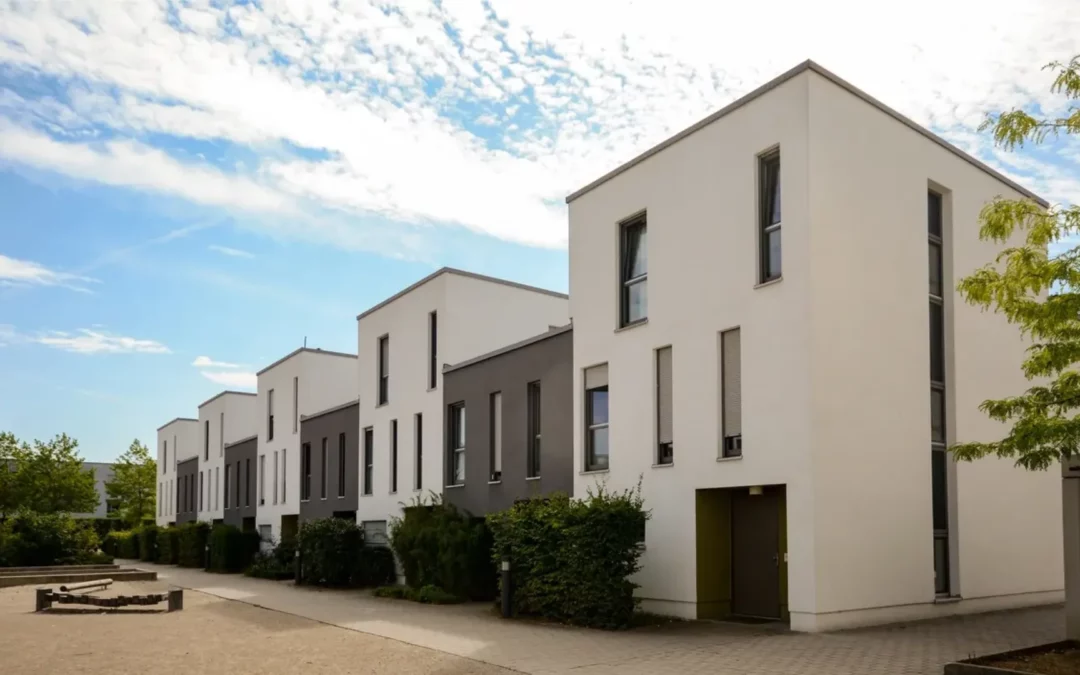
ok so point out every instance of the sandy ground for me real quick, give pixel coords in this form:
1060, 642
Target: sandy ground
209, 635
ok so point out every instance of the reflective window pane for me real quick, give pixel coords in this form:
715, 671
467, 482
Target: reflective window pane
636, 251
935, 269
938, 465
598, 406
772, 265
637, 301
933, 215
937, 343
941, 566
459, 467
598, 448
937, 415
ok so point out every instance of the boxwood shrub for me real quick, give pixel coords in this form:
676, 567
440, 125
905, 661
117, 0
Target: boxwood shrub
148, 536
28, 539
441, 546
127, 544
232, 550
191, 541
333, 553
277, 563
572, 559
168, 545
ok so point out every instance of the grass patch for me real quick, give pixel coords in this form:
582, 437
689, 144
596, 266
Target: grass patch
1056, 660
428, 595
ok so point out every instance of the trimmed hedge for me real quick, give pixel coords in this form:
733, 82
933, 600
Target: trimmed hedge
333, 553
122, 544
573, 558
168, 546
439, 545
103, 526
148, 537
430, 595
191, 544
232, 550
277, 563
28, 539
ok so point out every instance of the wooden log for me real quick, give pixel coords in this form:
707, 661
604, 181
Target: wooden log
87, 585
176, 600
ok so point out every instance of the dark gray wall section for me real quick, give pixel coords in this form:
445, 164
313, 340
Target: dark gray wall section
550, 361
187, 481
240, 457
330, 426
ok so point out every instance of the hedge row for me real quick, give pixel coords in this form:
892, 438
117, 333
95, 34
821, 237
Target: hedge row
28, 538
278, 563
191, 540
231, 549
333, 553
168, 546
572, 559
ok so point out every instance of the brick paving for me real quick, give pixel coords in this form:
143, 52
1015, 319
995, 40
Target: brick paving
476, 632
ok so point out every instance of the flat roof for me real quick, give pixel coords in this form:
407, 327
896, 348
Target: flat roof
340, 406
471, 275
227, 391
177, 419
776, 82
193, 458
550, 333
242, 440
313, 350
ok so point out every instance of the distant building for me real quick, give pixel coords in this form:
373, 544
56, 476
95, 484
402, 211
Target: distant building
103, 473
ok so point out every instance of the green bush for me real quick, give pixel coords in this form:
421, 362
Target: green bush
431, 595
122, 544
148, 536
330, 550
103, 526
376, 567
572, 559
96, 558
277, 563
168, 546
28, 539
191, 544
440, 546
232, 550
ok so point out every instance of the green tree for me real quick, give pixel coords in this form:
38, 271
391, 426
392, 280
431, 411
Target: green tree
134, 484
1035, 285
12, 456
49, 477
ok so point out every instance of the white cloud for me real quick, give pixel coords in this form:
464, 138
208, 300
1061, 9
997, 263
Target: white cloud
86, 341
571, 90
231, 378
207, 362
229, 251
14, 272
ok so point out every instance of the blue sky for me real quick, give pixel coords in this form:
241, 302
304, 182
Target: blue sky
188, 189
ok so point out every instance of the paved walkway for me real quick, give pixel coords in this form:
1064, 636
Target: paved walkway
475, 631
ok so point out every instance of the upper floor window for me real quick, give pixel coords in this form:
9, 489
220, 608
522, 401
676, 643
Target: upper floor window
731, 392
369, 460
533, 423
596, 418
769, 237
433, 350
633, 272
305, 472
295, 404
206, 439
457, 444
665, 452
384, 370
270, 416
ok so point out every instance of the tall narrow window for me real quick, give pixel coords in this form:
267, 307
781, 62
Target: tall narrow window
369, 459
665, 446
496, 437
275, 484
457, 444
938, 457
228, 468
221, 435
419, 451
284, 476
206, 440
305, 472
596, 418
634, 272
433, 350
201, 488
262, 479
769, 211
247, 481
341, 465
322, 473
164, 455
270, 416
384, 370
532, 468
295, 404
217, 488
236, 498
731, 392
393, 455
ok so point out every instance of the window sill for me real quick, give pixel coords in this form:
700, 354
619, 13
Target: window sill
494, 482
452, 487
381, 405
770, 282
430, 389
528, 478
947, 599
589, 472
629, 326
729, 459
663, 466
393, 492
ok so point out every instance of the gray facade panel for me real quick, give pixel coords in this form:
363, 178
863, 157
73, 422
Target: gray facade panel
103, 473
187, 491
549, 361
241, 459
331, 426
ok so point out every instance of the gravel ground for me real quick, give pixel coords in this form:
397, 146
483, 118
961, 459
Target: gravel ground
209, 635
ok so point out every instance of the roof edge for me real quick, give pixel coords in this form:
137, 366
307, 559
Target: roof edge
462, 273
313, 350
340, 406
253, 437
227, 391
808, 65
550, 333
177, 419
193, 458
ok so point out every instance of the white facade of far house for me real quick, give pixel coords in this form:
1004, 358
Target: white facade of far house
404, 342
226, 418
767, 336
176, 441
302, 383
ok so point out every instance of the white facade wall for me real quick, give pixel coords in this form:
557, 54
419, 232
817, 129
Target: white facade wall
231, 417
475, 316
322, 380
181, 438
835, 360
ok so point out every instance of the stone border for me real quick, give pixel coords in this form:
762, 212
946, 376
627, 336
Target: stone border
979, 666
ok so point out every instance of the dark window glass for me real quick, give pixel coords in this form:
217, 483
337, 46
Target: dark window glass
393, 456
247, 482
937, 342
934, 217
322, 471
937, 415
596, 416
457, 444
433, 350
305, 471
941, 565
341, 466
634, 272
935, 269
770, 214
384, 369
369, 458
419, 451
533, 468
940, 488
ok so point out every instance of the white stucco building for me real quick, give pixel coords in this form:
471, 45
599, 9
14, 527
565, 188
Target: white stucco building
304, 382
404, 342
226, 418
786, 444
176, 441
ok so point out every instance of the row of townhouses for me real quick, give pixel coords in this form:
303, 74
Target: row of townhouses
762, 331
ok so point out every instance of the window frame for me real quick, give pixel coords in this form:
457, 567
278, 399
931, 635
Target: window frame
322, 473
206, 441
766, 225
228, 469
305, 472
627, 282
382, 365
262, 479
665, 450
534, 399
247, 481
393, 456
342, 459
495, 429
369, 461
590, 427
418, 442
433, 350
731, 445
270, 415
456, 430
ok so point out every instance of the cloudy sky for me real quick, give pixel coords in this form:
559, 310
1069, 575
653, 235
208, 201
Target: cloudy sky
188, 189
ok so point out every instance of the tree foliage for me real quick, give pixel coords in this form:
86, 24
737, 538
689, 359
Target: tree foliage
134, 484
46, 477
1036, 285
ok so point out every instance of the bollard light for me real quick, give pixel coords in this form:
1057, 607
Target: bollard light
506, 580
